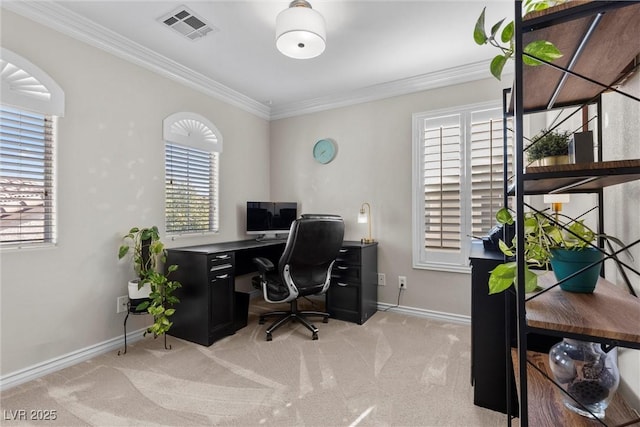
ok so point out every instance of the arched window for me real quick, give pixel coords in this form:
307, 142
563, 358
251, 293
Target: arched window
31, 100
192, 149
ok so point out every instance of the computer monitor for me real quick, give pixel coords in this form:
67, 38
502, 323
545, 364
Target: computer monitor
270, 219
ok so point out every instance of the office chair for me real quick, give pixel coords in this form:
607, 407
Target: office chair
303, 269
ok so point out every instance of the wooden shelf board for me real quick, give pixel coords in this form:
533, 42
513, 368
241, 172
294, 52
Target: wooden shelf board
545, 407
581, 177
610, 313
606, 57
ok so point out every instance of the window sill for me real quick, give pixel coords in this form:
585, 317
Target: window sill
449, 268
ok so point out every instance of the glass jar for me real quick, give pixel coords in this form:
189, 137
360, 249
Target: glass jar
587, 373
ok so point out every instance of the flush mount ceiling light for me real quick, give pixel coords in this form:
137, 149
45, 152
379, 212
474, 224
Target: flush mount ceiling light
300, 31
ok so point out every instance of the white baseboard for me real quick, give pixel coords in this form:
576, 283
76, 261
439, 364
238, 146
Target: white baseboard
429, 314
41, 369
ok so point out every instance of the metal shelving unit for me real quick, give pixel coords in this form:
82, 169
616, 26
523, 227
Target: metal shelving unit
600, 41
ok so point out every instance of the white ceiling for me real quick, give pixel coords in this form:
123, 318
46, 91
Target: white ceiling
384, 46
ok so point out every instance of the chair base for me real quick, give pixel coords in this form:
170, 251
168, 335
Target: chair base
293, 315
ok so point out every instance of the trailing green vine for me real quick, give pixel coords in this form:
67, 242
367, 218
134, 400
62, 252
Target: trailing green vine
504, 39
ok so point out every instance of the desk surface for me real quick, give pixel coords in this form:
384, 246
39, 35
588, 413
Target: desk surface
211, 248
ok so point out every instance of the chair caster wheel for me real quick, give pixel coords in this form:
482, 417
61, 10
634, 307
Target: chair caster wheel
314, 336
269, 337
325, 320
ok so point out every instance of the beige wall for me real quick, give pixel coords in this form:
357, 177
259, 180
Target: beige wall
110, 161
621, 127
111, 177
373, 165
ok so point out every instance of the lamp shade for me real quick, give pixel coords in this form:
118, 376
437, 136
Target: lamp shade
300, 31
362, 217
557, 198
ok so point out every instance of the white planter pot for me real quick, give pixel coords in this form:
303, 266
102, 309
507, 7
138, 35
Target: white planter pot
135, 293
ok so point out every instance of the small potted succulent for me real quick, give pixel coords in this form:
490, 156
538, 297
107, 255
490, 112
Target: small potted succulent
152, 290
549, 147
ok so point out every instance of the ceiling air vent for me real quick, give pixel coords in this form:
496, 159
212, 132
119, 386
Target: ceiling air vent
184, 21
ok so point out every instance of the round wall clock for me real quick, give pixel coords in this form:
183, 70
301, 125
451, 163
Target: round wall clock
324, 151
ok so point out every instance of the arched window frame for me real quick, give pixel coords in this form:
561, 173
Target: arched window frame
31, 102
192, 149
27, 87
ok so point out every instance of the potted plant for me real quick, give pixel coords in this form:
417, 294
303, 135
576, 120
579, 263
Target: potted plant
549, 147
568, 248
153, 290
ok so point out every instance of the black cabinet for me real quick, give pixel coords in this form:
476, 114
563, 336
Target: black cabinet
488, 334
490, 315
353, 294
207, 298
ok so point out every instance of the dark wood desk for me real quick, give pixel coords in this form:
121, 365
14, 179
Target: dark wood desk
206, 311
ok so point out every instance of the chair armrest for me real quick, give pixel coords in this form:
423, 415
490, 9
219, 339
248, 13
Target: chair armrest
263, 264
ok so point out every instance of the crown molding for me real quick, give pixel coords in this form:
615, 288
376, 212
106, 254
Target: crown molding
68, 22
436, 79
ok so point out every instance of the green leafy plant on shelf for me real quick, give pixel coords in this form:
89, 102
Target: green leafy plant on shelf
549, 143
148, 256
542, 234
503, 38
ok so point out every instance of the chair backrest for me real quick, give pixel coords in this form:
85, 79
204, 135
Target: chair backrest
313, 245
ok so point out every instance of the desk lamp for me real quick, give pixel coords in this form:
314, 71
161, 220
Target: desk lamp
364, 218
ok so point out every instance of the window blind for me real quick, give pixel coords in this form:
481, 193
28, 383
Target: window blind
27, 208
190, 189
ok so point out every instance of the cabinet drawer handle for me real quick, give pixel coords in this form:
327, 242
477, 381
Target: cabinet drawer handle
225, 256
341, 267
344, 251
222, 276
341, 284
220, 267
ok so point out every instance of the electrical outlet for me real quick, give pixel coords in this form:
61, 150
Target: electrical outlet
402, 282
382, 281
121, 304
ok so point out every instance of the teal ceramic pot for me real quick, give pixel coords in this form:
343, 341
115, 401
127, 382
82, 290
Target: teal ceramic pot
565, 262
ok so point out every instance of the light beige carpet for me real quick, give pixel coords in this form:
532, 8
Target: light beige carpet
395, 370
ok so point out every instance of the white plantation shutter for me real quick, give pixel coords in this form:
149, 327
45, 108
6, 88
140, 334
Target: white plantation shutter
458, 174
192, 150
487, 191
442, 169
26, 178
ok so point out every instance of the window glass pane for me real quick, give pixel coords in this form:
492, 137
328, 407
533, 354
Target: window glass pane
26, 177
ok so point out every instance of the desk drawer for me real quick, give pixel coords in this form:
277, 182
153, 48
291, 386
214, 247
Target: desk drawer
345, 272
220, 264
349, 256
343, 301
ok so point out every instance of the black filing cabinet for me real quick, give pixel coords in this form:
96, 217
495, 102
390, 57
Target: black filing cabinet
490, 370
353, 294
488, 339
207, 296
